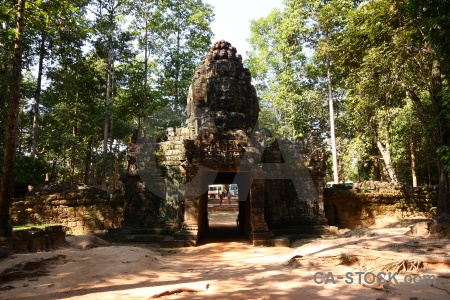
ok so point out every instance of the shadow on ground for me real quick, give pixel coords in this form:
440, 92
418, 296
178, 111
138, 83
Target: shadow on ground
223, 229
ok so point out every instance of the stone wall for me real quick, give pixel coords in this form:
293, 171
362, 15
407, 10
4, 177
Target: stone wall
33, 240
351, 208
80, 212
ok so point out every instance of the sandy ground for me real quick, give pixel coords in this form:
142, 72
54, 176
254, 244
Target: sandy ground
226, 266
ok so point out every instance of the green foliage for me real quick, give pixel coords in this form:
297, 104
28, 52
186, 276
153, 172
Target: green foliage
77, 37
356, 160
184, 37
29, 226
28, 170
291, 105
382, 56
390, 95
388, 60
444, 154
7, 32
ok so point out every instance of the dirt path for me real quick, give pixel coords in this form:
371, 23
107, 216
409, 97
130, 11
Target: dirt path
225, 269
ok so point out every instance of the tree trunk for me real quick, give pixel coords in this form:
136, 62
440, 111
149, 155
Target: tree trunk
374, 154
87, 170
444, 179
7, 184
74, 145
443, 201
145, 67
333, 138
413, 163
386, 154
443, 139
37, 97
177, 60
116, 173
106, 124
429, 172
111, 106
440, 137
51, 170
376, 169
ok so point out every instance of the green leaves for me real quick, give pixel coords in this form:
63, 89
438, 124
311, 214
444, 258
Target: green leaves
389, 72
444, 155
277, 65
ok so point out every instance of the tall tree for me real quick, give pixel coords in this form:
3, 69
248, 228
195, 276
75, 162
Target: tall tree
393, 46
7, 183
292, 105
8, 15
424, 36
306, 27
185, 33
326, 20
147, 16
72, 106
52, 24
110, 45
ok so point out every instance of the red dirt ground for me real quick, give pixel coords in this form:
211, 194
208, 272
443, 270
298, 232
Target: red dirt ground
227, 266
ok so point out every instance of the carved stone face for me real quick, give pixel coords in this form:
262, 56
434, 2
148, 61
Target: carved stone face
223, 54
246, 75
216, 54
223, 90
225, 93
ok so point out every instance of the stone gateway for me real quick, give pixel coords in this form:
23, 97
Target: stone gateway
280, 182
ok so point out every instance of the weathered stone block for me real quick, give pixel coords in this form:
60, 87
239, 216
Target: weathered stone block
52, 197
5, 251
21, 244
38, 242
57, 239
7, 242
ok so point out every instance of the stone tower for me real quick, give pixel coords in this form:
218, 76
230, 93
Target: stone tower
222, 91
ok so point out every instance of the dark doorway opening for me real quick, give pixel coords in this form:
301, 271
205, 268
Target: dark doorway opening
224, 209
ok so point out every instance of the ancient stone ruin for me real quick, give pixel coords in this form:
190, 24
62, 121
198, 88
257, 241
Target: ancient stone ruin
166, 180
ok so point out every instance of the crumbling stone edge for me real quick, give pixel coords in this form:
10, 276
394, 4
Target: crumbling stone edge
33, 240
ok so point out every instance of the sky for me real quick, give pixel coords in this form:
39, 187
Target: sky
232, 20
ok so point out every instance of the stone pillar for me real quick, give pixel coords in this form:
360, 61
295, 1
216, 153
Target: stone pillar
191, 211
141, 206
189, 229
259, 229
318, 207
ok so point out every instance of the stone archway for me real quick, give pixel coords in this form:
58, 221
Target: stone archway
237, 208
221, 136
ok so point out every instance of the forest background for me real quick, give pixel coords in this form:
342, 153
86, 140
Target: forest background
77, 78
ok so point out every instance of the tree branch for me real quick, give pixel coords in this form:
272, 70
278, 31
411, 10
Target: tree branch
419, 107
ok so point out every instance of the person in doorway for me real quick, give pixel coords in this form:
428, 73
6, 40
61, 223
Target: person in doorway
229, 196
220, 197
